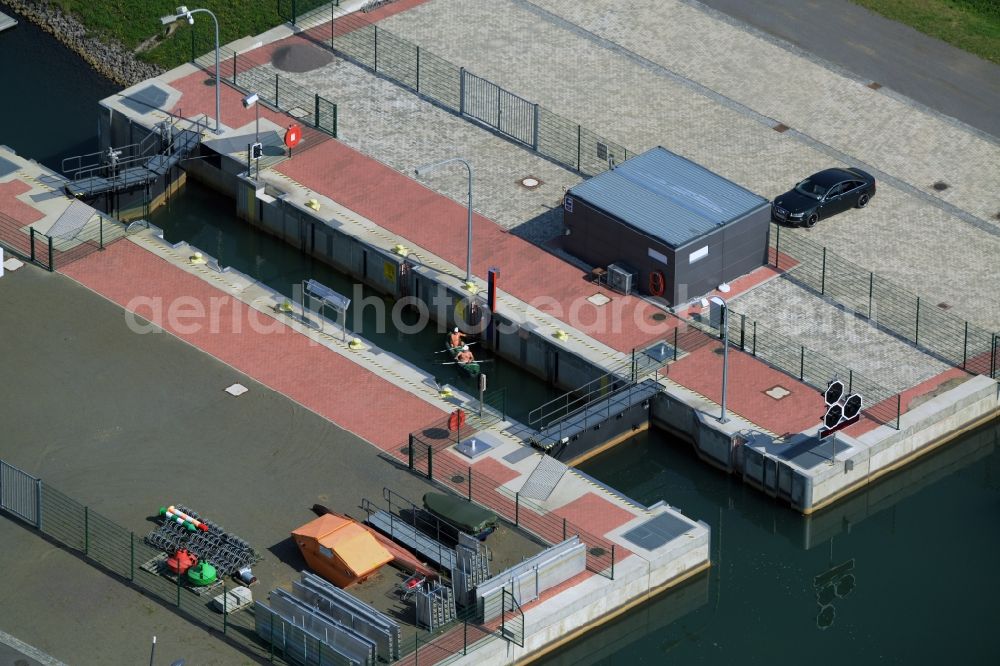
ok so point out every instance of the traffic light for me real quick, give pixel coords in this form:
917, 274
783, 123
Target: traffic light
852, 406
256, 151
834, 391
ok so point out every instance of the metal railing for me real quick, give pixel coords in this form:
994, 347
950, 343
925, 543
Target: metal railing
246, 74
118, 551
887, 305
356, 37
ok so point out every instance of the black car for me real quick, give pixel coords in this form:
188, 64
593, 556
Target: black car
824, 194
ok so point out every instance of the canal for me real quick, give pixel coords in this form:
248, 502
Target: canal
902, 573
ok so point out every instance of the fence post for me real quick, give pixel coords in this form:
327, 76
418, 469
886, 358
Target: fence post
802, 363
192, 43
430, 464
234, 68
418, 69
850, 380
409, 453
131, 558
579, 140
534, 138
676, 329
276, 89
743, 332
31, 234
375, 30
225, 608
612, 561
965, 346
517, 509
898, 410
100, 231
86, 530
178, 590
294, 13
916, 324
871, 292
470, 483
777, 244
993, 357
564, 528
316, 109
38, 504
754, 337
461, 91
822, 278
465, 637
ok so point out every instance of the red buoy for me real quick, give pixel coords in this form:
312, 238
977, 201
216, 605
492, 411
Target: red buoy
293, 135
181, 561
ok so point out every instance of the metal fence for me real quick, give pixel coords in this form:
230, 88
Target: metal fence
118, 551
51, 253
356, 37
247, 73
425, 453
887, 305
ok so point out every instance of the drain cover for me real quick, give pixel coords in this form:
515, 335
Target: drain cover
778, 392
940, 186
874, 85
781, 128
944, 306
529, 182
658, 316
599, 299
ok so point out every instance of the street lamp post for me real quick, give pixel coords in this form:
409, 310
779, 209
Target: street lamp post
723, 310
248, 101
183, 12
426, 169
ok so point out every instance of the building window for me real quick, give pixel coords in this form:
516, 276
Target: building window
659, 256
698, 255
568, 204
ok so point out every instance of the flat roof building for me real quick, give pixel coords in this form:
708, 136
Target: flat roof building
678, 228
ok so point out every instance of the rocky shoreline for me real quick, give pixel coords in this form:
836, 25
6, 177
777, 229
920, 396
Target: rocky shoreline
110, 59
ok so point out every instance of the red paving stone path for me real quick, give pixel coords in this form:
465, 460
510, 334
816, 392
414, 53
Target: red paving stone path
13, 207
264, 349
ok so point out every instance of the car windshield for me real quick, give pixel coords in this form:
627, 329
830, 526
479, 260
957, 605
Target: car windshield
811, 188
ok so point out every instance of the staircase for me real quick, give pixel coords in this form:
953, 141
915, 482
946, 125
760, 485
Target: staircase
136, 165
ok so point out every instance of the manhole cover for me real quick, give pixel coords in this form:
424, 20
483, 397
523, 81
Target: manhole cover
658, 316
944, 306
599, 299
997, 216
940, 186
457, 478
777, 392
529, 182
210, 81
781, 128
597, 551
405, 449
874, 85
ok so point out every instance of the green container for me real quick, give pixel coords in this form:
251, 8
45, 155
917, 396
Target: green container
202, 574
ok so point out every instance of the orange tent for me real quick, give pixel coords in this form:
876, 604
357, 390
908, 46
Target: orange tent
340, 550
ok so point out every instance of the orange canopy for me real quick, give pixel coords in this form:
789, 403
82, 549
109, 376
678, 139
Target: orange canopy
340, 549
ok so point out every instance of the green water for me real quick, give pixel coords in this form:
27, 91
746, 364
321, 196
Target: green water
911, 573
208, 221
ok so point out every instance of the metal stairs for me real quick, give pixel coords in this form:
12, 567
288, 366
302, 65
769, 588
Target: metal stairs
136, 165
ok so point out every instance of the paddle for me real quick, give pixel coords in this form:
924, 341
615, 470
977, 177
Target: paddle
485, 360
459, 347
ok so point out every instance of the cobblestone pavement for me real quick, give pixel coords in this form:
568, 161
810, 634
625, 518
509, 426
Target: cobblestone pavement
659, 72
790, 310
391, 124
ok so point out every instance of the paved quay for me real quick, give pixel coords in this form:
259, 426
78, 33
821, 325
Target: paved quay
664, 73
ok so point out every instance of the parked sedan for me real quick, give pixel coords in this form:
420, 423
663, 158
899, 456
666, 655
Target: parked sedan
824, 194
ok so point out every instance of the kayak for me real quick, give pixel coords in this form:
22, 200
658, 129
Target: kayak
471, 368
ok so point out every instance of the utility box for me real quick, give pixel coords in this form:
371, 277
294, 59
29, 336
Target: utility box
679, 228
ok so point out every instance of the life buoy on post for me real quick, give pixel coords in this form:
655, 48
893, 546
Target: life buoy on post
657, 283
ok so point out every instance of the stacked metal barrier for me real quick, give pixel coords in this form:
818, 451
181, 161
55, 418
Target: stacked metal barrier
228, 553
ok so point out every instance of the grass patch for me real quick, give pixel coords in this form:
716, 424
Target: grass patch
132, 22
971, 25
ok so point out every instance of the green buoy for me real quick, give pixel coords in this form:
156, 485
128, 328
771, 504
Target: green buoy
202, 574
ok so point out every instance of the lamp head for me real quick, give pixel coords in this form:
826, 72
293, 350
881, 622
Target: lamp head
250, 100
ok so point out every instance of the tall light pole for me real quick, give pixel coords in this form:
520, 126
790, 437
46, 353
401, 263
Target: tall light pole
188, 15
426, 169
256, 149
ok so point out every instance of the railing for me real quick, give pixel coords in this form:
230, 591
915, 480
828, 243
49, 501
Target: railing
117, 550
887, 305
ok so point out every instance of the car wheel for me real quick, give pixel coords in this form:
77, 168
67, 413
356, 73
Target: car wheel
811, 220
863, 200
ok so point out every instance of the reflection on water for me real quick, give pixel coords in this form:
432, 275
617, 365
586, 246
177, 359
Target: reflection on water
208, 221
900, 573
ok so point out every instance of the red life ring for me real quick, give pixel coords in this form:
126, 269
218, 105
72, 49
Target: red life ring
657, 283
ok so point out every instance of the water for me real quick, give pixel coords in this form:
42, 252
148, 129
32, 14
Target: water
916, 552
50, 96
912, 560
208, 221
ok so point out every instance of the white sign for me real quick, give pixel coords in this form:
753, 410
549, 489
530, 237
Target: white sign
1, 262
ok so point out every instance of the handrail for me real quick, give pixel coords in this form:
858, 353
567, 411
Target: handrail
605, 386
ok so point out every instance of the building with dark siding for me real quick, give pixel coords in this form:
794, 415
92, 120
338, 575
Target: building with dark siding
681, 229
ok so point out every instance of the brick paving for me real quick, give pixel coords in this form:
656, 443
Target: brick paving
14, 208
262, 348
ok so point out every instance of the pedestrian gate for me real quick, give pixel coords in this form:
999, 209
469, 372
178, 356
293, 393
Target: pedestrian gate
499, 109
19, 494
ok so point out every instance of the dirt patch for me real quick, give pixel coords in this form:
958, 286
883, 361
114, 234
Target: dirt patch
943, 387
300, 58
